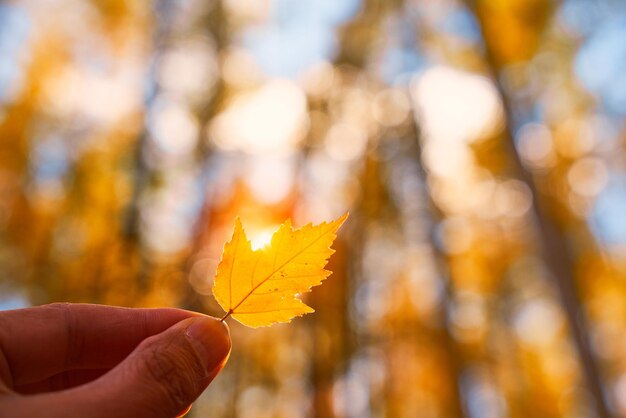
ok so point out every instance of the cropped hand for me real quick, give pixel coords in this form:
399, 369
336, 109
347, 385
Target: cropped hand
65, 360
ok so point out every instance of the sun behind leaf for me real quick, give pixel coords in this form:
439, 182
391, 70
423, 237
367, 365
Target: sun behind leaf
262, 287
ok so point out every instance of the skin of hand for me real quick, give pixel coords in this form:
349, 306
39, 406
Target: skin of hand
80, 360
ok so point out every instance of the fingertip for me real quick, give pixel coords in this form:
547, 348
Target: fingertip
211, 339
164, 374
184, 411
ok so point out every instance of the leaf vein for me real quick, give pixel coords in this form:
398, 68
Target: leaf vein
230, 278
281, 266
260, 312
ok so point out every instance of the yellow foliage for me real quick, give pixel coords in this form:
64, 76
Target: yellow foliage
261, 287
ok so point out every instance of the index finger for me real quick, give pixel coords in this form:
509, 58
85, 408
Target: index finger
42, 341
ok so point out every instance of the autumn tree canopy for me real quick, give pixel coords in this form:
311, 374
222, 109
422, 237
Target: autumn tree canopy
478, 146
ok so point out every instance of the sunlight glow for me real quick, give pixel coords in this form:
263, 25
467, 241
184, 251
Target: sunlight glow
345, 142
534, 142
391, 107
173, 127
261, 238
239, 68
537, 323
189, 69
271, 119
455, 105
98, 97
269, 179
588, 176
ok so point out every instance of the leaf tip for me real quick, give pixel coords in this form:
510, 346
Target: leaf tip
337, 223
239, 230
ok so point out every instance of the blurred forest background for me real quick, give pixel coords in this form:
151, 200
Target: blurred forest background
479, 146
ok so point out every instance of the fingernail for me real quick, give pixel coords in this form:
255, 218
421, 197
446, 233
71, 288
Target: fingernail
211, 339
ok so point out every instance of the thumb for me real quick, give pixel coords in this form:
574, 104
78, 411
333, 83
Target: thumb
168, 371
160, 378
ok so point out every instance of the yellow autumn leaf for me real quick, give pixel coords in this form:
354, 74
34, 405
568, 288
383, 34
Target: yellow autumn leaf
262, 287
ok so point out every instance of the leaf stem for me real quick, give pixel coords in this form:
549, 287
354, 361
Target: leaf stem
226, 316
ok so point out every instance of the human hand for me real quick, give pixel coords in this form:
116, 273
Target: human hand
65, 360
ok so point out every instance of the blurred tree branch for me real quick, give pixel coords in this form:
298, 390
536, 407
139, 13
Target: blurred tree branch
216, 25
556, 253
434, 215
